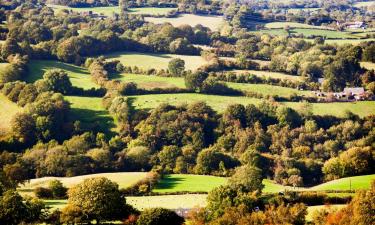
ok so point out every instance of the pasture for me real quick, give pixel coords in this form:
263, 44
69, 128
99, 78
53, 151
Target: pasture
347, 183
368, 65
268, 74
212, 22
345, 41
110, 10
281, 25
79, 76
151, 81
266, 89
123, 179
7, 111
91, 112
155, 61
188, 182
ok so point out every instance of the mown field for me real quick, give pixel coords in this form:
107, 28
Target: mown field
266, 74
282, 25
220, 103
212, 22
90, 111
150, 82
79, 76
346, 184
156, 61
7, 111
110, 10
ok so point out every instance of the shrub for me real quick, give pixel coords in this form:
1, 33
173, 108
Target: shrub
44, 193
159, 216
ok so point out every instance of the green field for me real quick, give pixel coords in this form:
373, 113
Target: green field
212, 22
79, 76
346, 41
267, 89
309, 32
362, 108
188, 182
156, 61
91, 112
220, 103
346, 184
8, 110
269, 74
281, 25
110, 10
150, 82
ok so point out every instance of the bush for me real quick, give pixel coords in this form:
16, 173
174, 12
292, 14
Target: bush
44, 193
57, 189
159, 216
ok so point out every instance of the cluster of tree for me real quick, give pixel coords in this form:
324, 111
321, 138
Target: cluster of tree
55, 190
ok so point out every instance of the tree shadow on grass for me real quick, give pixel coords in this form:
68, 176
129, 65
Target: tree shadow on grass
169, 182
99, 121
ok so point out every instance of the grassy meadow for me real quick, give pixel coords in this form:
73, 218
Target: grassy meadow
110, 10
7, 111
79, 76
151, 81
268, 74
368, 65
188, 182
347, 183
156, 61
312, 209
281, 25
212, 22
91, 112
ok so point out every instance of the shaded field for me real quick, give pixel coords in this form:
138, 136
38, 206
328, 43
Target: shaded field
110, 10
281, 25
156, 61
266, 74
347, 183
368, 65
150, 82
7, 111
212, 22
220, 103
79, 76
311, 209
91, 112
188, 182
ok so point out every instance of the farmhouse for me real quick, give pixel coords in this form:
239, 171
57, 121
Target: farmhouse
356, 93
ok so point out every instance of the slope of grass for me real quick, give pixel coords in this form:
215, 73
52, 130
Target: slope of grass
150, 82
212, 22
272, 187
346, 41
267, 89
91, 113
7, 110
275, 25
362, 108
110, 10
266, 74
123, 179
79, 76
346, 184
188, 182
156, 61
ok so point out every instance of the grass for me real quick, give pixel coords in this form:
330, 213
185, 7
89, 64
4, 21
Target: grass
143, 202
212, 22
123, 179
281, 25
150, 82
272, 187
346, 41
362, 108
364, 4
218, 103
347, 184
188, 182
110, 10
79, 76
267, 89
8, 110
91, 112
156, 61
368, 65
312, 209
268, 74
